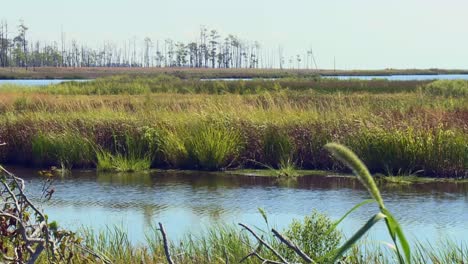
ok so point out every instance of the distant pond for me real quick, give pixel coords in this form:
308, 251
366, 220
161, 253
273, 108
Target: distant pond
185, 201
415, 77
39, 82
43, 82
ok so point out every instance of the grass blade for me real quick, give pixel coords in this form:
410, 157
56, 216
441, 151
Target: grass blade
352, 161
357, 206
369, 224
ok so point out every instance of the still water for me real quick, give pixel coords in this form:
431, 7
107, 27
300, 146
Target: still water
44, 82
185, 201
424, 77
38, 82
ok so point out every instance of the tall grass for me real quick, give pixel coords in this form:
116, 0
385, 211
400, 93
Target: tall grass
277, 147
404, 151
202, 145
126, 84
62, 149
413, 131
129, 156
447, 88
212, 146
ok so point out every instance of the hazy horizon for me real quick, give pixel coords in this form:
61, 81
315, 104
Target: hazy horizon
363, 34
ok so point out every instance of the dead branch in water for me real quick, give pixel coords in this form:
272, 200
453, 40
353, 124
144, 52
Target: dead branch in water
25, 229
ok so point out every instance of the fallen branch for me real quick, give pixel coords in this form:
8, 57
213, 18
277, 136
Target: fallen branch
292, 246
263, 242
25, 232
166, 244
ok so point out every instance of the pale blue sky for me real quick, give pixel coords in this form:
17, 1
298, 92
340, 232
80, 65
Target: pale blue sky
360, 33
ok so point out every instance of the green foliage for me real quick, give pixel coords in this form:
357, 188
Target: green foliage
277, 147
168, 146
447, 88
212, 146
395, 129
348, 157
287, 169
132, 155
312, 235
436, 151
163, 83
21, 103
204, 145
65, 149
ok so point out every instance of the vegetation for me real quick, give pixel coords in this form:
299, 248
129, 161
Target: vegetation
133, 85
133, 154
447, 88
316, 239
220, 243
66, 149
395, 127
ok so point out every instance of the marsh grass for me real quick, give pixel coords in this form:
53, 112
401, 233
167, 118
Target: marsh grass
447, 88
127, 84
62, 149
130, 156
277, 148
203, 145
434, 152
212, 146
226, 242
394, 132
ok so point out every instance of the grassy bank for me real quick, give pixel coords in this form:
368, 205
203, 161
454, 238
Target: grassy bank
228, 244
396, 127
187, 73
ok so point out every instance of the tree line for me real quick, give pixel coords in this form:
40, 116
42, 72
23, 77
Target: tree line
211, 50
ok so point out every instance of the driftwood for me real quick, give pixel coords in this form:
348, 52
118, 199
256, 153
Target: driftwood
292, 246
166, 244
25, 229
263, 243
29, 233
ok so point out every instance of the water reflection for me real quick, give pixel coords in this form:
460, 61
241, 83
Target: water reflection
191, 200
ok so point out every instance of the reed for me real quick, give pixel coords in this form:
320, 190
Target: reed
66, 149
130, 156
413, 131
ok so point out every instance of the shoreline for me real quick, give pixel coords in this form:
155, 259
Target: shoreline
51, 73
259, 174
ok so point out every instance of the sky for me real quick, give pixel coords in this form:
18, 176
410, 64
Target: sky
356, 34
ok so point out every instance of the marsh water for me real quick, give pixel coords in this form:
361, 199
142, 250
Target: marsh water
402, 77
38, 82
190, 201
44, 82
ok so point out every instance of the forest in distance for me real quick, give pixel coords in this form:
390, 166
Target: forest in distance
210, 50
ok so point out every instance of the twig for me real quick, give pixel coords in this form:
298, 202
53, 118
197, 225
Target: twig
103, 258
264, 260
166, 246
260, 240
292, 246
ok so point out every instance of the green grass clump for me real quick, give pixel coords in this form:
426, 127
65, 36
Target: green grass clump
447, 88
313, 236
287, 168
277, 148
130, 156
212, 146
64, 149
203, 145
169, 146
435, 151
